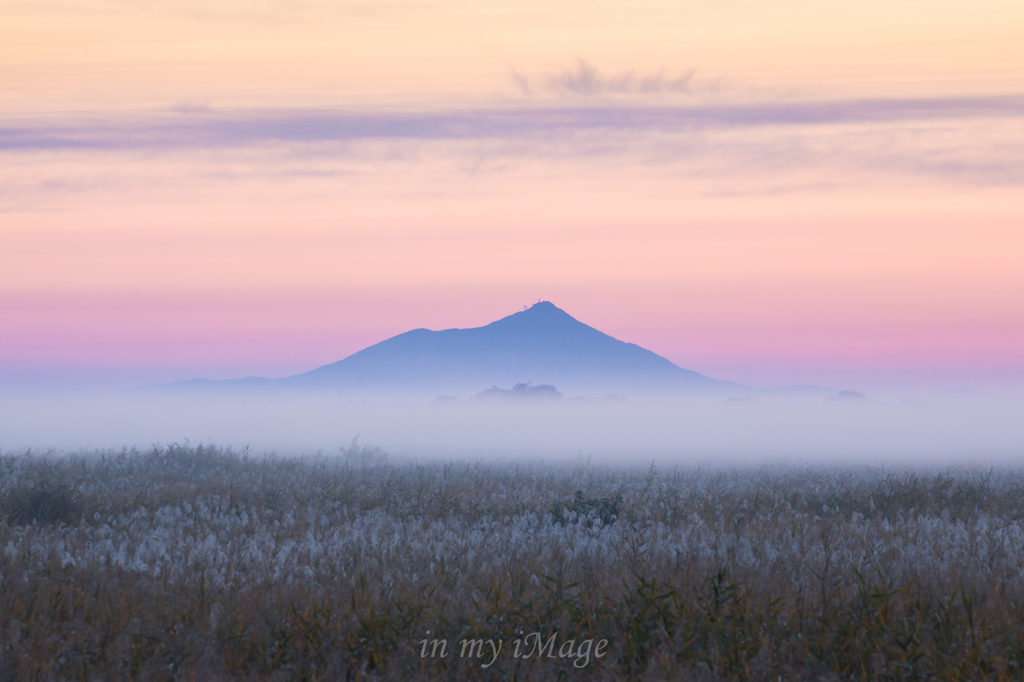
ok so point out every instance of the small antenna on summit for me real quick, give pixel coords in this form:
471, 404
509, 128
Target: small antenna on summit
525, 307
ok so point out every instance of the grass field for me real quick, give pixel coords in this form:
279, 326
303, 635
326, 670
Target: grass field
201, 563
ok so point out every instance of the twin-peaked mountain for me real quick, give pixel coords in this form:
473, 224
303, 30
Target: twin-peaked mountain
540, 345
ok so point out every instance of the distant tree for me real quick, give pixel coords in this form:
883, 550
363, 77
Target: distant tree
522, 392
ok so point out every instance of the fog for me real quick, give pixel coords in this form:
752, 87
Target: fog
932, 429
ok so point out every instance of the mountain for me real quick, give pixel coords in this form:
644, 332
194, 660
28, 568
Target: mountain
540, 345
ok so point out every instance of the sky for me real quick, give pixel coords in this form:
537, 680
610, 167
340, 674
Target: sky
774, 193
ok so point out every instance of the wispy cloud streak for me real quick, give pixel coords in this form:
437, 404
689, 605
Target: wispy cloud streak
196, 130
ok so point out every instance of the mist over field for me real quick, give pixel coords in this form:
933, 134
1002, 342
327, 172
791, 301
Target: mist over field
923, 429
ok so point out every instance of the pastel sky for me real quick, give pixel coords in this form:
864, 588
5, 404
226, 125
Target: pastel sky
770, 192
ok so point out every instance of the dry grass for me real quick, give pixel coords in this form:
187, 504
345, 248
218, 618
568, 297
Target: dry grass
206, 564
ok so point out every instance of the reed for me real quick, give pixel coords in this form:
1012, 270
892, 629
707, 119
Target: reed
204, 563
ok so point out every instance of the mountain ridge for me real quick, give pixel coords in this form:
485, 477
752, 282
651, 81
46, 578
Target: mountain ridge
541, 344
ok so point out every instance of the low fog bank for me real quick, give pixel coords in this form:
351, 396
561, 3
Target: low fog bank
849, 429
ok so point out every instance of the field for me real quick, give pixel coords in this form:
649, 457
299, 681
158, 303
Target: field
202, 563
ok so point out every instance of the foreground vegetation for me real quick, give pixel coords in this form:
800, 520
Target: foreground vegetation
204, 564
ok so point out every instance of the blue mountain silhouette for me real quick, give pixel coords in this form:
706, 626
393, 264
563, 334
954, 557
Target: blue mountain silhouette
542, 345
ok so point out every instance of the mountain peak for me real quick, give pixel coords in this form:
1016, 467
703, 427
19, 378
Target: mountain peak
543, 320
542, 313
543, 309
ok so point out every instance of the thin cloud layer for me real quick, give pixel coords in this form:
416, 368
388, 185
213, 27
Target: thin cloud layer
813, 144
198, 128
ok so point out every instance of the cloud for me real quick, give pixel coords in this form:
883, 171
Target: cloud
522, 82
203, 128
734, 149
587, 81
